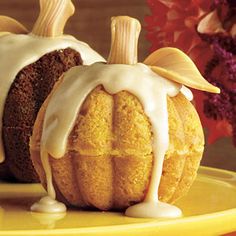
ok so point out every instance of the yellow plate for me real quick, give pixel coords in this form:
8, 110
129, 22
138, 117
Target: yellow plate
209, 209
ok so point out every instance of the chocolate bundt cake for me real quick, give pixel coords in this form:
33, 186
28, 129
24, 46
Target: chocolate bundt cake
130, 138
25, 97
30, 66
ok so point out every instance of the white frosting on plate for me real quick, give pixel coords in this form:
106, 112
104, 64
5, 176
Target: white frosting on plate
18, 51
48, 205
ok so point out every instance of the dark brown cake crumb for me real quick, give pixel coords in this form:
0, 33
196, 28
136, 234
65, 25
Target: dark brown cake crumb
26, 95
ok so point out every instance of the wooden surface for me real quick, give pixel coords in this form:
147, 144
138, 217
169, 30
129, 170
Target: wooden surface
91, 23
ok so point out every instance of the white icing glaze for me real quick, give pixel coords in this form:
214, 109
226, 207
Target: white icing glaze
187, 93
48, 205
152, 91
151, 209
18, 51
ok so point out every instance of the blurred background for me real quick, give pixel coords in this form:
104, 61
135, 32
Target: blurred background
91, 23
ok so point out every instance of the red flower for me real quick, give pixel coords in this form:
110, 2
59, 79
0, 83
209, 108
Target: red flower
205, 30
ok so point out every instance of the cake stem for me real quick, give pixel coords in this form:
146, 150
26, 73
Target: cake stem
53, 17
124, 40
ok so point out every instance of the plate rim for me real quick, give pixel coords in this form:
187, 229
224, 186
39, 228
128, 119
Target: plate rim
230, 213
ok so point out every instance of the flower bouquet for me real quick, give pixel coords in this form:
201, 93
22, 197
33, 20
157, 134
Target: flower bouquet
206, 31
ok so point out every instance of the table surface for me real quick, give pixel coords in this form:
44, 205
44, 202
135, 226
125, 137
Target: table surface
91, 23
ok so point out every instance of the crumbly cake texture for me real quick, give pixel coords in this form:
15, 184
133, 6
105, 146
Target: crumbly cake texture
26, 95
109, 154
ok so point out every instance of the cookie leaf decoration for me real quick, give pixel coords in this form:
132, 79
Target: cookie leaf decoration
10, 25
175, 65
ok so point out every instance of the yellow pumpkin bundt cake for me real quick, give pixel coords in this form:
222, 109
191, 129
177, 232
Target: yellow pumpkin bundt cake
121, 134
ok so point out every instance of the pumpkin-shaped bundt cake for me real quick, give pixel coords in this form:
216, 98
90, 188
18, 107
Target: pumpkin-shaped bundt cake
30, 64
121, 134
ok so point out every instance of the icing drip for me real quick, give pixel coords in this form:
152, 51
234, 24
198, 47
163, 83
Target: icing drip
152, 91
48, 204
18, 51
187, 93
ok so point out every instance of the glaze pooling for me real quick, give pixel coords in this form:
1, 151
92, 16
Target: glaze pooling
48, 205
151, 90
18, 51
